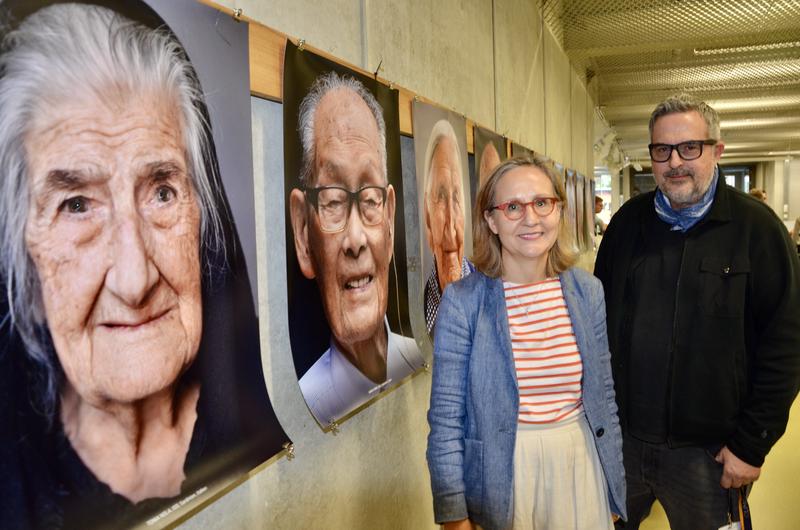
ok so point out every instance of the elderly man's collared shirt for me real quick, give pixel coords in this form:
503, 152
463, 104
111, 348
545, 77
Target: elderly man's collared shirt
333, 387
433, 295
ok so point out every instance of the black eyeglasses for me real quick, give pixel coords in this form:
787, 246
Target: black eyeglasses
689, 150
333, 205
515, 210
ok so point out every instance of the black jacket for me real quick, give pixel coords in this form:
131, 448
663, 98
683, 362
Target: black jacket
735, 360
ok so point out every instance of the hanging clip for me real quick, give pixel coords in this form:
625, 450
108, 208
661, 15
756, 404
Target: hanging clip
237, 14
427, 367
333, 427
289, 448
301, 44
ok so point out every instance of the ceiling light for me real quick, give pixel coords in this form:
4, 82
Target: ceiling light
747, 48
790, 153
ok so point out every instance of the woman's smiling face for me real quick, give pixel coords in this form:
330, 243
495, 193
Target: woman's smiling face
527, 241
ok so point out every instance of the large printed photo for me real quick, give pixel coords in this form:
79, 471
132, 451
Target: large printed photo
348, 310
130, 359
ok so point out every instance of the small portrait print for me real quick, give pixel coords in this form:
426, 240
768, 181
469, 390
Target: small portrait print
489, 159
521, 150
343, 208
445, 202
490, 151
132, 335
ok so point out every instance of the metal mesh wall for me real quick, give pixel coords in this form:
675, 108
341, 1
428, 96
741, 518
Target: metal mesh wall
742, 55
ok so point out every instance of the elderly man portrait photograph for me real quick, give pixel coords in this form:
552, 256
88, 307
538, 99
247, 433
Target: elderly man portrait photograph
490, 150
342, 211
490, 159
114, 231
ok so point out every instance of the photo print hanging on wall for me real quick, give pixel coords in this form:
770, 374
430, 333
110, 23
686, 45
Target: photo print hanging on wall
444, 201
580, 190
490, 151
521, 150
572, 202
561, 172
349, 327
131, 367
586, 239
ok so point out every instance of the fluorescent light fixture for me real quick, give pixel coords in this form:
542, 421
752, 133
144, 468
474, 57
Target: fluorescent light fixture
758, 122
748, 48
784, 153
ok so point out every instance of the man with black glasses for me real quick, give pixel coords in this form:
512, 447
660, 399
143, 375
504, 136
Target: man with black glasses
703, 298
343, 223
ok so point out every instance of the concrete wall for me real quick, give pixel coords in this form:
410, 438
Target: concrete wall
774, 175
440, 50
519, 63
497, 64
557, 100
493, 61
781, 180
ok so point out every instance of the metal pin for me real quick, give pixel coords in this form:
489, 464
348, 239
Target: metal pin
301, 44
334, 428
237, 14
289, 448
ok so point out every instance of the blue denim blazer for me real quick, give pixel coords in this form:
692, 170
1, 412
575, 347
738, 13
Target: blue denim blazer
475, 398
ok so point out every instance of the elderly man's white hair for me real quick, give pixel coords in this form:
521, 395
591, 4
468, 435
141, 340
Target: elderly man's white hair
443, 129
308, 110
61, 53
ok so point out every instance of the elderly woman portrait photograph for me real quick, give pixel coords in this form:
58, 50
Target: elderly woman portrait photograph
444, 200
115, 231
522, 417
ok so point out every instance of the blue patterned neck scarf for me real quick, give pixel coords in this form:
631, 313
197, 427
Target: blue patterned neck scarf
685, 218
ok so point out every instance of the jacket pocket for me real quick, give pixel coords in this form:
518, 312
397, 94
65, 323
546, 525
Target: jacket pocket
473, 474
724, 283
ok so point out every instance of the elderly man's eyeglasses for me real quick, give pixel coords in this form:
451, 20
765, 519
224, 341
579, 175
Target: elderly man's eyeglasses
689, 150
515, 210
333, 205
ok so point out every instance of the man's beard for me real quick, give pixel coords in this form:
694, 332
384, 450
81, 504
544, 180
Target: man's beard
683, 195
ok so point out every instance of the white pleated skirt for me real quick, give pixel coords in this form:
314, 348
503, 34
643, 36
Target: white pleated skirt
558, 479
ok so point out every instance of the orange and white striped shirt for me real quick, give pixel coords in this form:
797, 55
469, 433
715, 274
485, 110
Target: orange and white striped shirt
546, 357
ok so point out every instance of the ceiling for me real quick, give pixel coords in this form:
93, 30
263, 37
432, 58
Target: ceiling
740, 56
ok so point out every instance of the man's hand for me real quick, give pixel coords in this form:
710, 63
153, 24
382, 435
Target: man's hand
735, 472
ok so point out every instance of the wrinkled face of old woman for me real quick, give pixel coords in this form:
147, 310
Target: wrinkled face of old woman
113, 230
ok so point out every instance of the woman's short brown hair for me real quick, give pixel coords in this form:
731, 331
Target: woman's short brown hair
487, 249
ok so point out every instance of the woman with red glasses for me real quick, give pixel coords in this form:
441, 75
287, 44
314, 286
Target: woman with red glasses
524, 429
